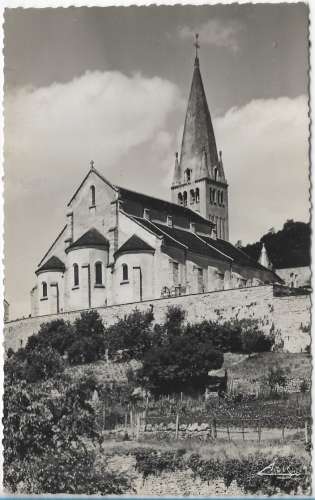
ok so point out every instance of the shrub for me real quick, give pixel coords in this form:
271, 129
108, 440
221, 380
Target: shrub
88, 343
132, 335
33, 365
276, 377
58, 334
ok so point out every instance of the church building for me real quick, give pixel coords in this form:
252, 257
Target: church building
120, 246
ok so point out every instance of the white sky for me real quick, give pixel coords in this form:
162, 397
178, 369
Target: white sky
112, 84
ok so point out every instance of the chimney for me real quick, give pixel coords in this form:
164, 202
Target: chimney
146, 213
169, 221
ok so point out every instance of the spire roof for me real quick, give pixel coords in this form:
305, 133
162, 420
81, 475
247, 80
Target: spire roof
198, 137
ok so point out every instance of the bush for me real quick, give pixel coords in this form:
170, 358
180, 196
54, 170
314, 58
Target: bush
33, 365
58, 334
132, 335
88, 343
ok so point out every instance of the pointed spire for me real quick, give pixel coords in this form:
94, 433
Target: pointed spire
176, 177
198, 133
264, 258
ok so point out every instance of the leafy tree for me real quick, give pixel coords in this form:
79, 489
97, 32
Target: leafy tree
58, 334
133, 333
181, 362
89, 339
34, 365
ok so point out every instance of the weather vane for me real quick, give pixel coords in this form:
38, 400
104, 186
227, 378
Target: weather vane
196, 43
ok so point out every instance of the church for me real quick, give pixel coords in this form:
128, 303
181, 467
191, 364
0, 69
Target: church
119, 246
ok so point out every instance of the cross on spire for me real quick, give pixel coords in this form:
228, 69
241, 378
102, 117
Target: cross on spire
92, 164
196, 44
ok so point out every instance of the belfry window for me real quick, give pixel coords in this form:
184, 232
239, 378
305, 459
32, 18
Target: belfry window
197, 196
180, 198
187, 175
185, 199
75, 275
124, 272
215, 174
192, 196
44, 289
98, 273
214, 197
92, 191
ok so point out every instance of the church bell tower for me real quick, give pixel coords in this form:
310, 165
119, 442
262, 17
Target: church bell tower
199, 182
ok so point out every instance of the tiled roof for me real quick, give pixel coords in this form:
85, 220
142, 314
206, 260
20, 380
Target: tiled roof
134, 244
92, 238
52, 264
158, 204
239, 256
174, 236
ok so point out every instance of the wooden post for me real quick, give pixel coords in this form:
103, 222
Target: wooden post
176, 426
243, 431
104, 417
228, 431
138, 427
131, 422
306, 432
214, 428
126, 421
282, 432
181, 397
259, 430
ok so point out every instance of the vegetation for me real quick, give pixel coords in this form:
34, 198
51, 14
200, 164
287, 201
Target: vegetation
289, 247
244, 471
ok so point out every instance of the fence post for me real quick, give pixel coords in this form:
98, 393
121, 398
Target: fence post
214, 428
306, 431
259, 430
243, 431
131, 422
126, 421
176, 426
138, 427
282, 432
228, 431
104, 417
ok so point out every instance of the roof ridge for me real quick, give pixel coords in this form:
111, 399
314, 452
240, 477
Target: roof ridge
210, 246
166, 234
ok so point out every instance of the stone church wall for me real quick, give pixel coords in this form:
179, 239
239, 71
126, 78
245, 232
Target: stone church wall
287, 316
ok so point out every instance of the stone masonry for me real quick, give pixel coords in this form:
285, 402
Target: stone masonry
286, 316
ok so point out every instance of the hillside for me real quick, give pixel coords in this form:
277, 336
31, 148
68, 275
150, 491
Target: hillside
289, 247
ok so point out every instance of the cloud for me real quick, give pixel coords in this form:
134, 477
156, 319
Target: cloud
51, 134
265, 155
216, 32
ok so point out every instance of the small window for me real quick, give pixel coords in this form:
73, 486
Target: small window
44, 289
180, 198
188, 175
124, 272
75, 275
92, 189
215, 174
98, 273
185, 199
197, 197
192, 196
214, 197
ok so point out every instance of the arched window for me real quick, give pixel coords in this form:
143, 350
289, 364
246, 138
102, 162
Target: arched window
192, 196
98, 273
214, 197
92, 189
75, 275
211, 195
180, 198
124, 272
44, 288
185, 199
197, 196
187, 175
215, 174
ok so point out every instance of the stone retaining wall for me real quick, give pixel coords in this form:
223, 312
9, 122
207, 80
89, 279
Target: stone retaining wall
288, 316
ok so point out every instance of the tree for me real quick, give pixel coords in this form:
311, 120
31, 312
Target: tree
180, 362
58, 334
133, 333
88, 343
33, 365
